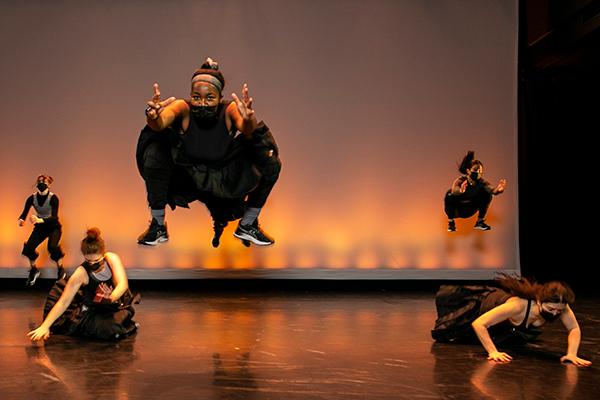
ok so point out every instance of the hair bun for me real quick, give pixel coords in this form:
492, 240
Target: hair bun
93, 233
209, 63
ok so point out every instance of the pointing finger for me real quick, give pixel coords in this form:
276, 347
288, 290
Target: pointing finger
156, 96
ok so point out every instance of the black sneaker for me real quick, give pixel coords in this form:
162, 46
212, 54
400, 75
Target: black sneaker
451, 226
253, 233
154, 235
34, 273
482, 226
61, 274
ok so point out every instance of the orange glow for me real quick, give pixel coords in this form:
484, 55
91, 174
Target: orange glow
361, 222
427, 246
363, 179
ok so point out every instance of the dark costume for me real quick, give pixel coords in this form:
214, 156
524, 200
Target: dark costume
46, 208
209, 164
458, 306
476, 198
88, 316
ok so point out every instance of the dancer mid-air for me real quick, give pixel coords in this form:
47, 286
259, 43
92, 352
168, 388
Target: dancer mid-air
208, 149
470, 194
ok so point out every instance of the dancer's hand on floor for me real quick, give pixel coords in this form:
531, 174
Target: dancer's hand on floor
499, 356
580, 362
41, 333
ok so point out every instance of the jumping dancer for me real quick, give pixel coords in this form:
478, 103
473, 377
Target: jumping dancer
200, 137
470, 194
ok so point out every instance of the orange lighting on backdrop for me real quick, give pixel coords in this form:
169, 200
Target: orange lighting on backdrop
369, 139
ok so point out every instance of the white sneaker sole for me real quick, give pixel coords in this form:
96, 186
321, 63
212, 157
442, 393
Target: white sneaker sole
478, 228
161, 239
245, 236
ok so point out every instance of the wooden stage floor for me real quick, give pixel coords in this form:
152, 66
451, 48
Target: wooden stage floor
277, 345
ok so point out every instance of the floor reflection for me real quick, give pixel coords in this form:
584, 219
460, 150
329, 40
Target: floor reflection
301, 346
77, 368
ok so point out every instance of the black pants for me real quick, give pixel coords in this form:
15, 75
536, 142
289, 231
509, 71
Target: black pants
160, 173
269, 165
456, 206
38, 235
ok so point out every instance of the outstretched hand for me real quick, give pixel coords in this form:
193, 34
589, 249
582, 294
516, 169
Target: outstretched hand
155, 105
501, 186
580, 362
40, 333
244, 105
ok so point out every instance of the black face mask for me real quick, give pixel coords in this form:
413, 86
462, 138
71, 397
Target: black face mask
204, 113
474, 175
41, 186
548, 316
93, 266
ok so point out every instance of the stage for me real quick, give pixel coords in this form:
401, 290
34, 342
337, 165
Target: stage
207, 342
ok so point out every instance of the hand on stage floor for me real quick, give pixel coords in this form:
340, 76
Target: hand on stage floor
499, 356
580, 362
40, 333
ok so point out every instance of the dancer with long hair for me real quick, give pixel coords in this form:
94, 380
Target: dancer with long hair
508, 313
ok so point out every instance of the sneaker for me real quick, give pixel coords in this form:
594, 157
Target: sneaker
154, 235
253, 233
61, 274
34, 273
451, 226
482, 226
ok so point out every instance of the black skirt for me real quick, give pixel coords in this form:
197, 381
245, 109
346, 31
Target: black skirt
105, 322
458, 306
